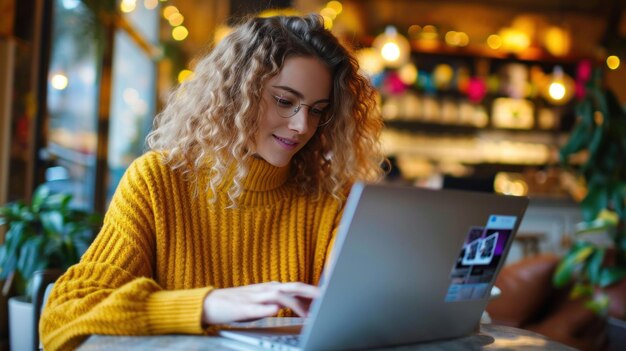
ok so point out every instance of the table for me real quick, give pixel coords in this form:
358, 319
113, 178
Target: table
490, 337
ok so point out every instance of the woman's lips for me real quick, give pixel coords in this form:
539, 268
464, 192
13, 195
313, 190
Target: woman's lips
286, 143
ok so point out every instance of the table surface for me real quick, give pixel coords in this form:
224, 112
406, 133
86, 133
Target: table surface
490, 337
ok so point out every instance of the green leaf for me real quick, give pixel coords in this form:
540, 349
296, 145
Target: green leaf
571, 264
581, 290
8, 263
31, 257
610, 275
59, 201
599, 304
596, 200
578, 140
595, 144
618, 199
52, 222
594, 265
46, 234
597, 226
39, 197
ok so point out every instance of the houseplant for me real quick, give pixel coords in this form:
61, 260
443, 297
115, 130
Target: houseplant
47, 233
596, 262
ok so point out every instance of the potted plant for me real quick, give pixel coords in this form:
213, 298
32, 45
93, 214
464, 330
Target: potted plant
596, 262
45, 234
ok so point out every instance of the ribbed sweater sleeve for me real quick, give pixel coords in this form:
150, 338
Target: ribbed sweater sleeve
110, 291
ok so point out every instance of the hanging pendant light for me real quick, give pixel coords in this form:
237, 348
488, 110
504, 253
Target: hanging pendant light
560, 87
393, 47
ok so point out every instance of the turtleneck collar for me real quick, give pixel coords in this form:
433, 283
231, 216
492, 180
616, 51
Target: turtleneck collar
262, 176
262, 186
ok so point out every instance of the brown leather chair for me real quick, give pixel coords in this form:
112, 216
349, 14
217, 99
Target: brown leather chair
530, 301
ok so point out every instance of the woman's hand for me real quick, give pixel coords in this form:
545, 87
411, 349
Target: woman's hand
257, 301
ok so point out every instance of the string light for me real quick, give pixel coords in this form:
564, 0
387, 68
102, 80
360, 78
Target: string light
180, 33
613, 62
176, 19
168, 11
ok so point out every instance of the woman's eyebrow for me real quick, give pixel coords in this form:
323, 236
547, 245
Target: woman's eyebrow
297, 93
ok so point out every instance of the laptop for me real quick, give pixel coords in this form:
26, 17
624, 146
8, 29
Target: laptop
409, 265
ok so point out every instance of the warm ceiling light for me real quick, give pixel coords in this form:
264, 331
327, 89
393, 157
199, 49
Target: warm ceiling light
414, 30
454, 38
450, 38
557, 90
150, 4
494, 41
328, 22
176, 19
328, 12
169, 10
428, 38
390, 52
560, 87
59, 81
335, 5
462, 38
127, 6
180, 33
612, 62
557, 41
393, 47
514, 40
429, 32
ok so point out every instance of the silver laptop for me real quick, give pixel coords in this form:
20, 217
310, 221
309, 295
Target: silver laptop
409, 265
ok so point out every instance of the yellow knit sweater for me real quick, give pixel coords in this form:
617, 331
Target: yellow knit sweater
161, 251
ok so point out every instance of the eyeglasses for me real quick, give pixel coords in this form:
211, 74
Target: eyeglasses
288, 105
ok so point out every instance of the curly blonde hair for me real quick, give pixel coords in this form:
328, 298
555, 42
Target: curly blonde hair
211, 119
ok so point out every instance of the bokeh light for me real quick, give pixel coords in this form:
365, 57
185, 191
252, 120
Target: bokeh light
180, 33
613, 62
59, 81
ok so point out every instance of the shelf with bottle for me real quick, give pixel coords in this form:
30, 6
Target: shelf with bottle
477, 118
453, 103
477, 92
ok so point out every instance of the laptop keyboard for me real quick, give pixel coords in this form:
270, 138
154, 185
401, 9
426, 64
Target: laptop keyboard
291, 340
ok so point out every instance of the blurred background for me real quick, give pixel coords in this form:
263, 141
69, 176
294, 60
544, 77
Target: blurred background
476, 94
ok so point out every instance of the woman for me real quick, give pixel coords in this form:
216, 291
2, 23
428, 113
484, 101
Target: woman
232, 214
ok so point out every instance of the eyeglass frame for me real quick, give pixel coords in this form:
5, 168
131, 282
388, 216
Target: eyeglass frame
297, 108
